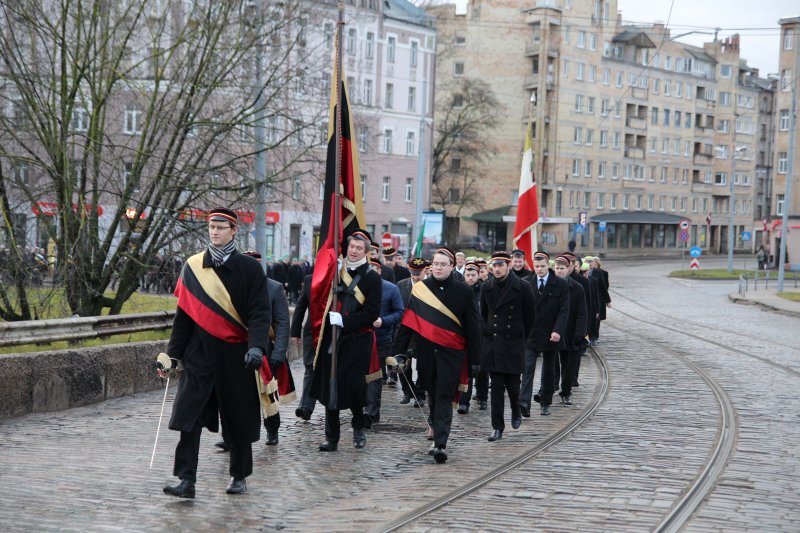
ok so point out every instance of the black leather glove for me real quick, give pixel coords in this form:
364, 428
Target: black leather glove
252, 359
473, 371
275, 362
578, 341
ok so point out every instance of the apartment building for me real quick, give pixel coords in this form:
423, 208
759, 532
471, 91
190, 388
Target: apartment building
634, 131
388, 61
786, 90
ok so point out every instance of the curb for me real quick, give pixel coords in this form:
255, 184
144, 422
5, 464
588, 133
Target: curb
735, 298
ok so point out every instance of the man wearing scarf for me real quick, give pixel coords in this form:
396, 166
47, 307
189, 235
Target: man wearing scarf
219, 335
359, 304
443, 320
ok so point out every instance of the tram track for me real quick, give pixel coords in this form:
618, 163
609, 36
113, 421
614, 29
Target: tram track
599, 396
693, 496
718, 344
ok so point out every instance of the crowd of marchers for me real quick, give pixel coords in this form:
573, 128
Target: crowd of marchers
449, 329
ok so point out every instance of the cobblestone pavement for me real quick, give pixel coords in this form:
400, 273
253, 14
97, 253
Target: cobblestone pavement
86, 469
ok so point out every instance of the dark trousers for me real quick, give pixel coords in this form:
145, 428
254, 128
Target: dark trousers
481, 388
440, 417
306, 401
502, 382
594, 329
333, 425
569, 358
188, 449
549, 378
526, 387
576, 369
374, 388
272, 423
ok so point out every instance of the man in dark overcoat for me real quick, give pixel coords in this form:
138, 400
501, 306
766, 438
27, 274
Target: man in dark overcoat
411, 388
219, 335
443, 321
359, 295
575, 332
551, 295
507, 309
473, 280
604, 298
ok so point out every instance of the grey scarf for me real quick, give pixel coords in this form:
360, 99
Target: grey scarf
218, 255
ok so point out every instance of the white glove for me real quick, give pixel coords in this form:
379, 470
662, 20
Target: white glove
336, 319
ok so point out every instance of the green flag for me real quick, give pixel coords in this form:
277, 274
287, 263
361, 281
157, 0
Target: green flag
418, 246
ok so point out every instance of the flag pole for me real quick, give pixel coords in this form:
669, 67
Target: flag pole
333, 398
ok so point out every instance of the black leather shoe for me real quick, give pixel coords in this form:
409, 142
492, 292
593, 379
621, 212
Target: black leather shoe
537, 398
439, 455
516, 420
272, 438
236, 486
545, 410
359, 438
566, 400
184, 489
463, 409
305, 414
525, 410
419, 403
223, 446
328, 446
497, 434
482, 406
406, 399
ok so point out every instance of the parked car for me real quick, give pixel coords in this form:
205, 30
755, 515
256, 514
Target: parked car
474, 242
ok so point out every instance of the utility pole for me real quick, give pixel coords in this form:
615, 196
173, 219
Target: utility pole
260, 145
421, 166
787, 195
732, 200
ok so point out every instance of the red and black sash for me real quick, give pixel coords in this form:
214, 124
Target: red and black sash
429, 317
202, 296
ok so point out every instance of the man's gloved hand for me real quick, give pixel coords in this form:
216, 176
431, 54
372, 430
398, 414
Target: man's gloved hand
473, 371
579, 340
336, 319
253, 358
276, 360
166, 366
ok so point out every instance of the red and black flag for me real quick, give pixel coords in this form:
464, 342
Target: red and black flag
349, 210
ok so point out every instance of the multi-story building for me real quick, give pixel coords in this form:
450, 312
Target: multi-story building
787, 157
634, 132
388, 62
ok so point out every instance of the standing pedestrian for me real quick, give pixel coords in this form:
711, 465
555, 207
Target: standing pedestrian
575, 330
298, 329
507, 309
411, 388
442, 318
219, 334
473, 280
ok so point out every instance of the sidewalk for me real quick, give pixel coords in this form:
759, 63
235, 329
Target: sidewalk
769, 300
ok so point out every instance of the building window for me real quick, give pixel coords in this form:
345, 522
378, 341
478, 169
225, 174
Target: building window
21, 172
412, 99
579, 74
458, 69
410, 143
601, 197
589, 136
617, 140
613, 200
786, 79
387, 141
363, 135
779, 204
389, 103
587, 170
350, 45
605, 107
782, 163
132, 120
385, 189
783, 125
368, 92
656, 85
408, 189
601, 171
579, 103
296, 190
363, 188
725, 71
391, 45
328, 35
576, 167
787, 39
581, 39
577, 135
590, 105
724, 98
458, 101
370, 51
614, 171
80, 119
606, 76
414, 51
654, 116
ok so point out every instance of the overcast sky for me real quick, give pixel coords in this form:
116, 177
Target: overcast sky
755, 21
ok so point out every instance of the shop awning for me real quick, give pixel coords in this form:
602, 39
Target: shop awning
637, 217
490, 215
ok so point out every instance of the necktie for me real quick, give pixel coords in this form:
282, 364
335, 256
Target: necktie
541, 283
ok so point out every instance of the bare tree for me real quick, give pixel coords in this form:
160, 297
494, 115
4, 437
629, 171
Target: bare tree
463, 145
124, 119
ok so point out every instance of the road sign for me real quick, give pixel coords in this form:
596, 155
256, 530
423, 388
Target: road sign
386, 240
695, 264
601, 227
579, 228
745, 235
684, 224
683, 235
695, 251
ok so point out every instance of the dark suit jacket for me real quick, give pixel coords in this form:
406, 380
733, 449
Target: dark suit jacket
552, 312
508, 315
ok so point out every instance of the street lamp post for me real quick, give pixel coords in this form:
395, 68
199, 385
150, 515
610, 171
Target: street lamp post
732, 202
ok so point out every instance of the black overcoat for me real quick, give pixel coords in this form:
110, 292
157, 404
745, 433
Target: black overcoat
578, 320
552, 310
301, 325
278, 347
439, 367
507, 314
214, 380
355, 344
591, 307
602, 287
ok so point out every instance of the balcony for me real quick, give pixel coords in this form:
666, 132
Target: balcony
533, 48
636, 123
701, 158
638, 93
702, 103
634, 152
701, 186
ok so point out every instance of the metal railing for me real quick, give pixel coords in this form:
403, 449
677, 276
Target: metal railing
761, 280
70, 329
